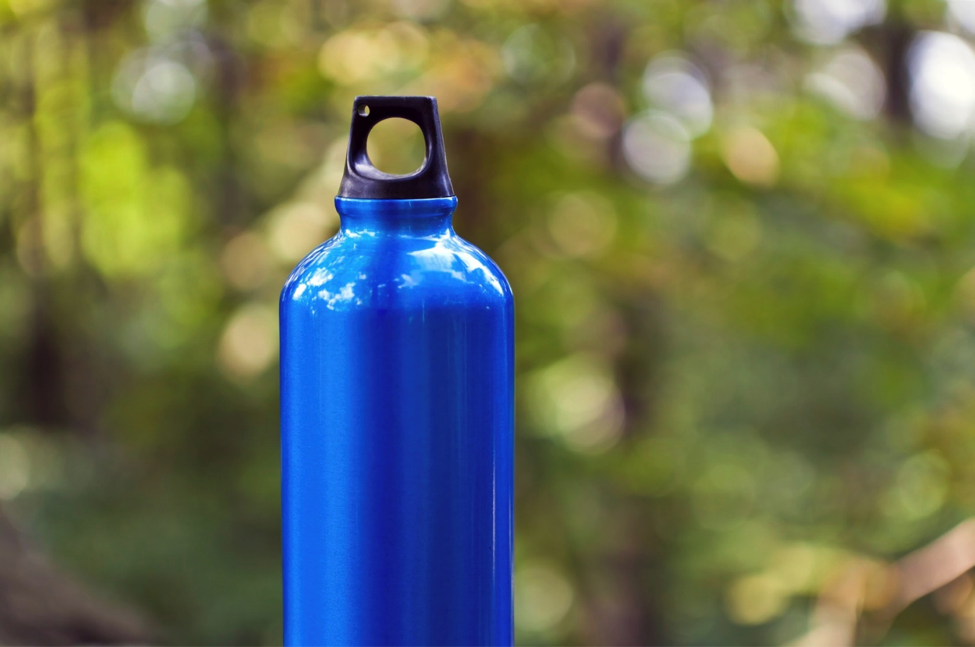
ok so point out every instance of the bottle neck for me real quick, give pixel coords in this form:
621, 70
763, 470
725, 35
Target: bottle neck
422, 217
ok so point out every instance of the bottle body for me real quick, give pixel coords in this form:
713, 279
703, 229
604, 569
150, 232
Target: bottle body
397, 434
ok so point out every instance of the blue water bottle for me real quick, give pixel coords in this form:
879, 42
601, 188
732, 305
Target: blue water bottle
397, 350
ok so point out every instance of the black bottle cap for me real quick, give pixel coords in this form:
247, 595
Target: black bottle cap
363, 180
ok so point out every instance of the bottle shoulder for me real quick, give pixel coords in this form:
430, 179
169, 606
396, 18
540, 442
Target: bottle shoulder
354, 272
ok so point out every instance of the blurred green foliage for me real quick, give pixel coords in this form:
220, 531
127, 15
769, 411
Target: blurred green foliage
746, 304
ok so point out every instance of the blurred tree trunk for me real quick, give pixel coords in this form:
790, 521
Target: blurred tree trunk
890, 43
621, 607
44, 383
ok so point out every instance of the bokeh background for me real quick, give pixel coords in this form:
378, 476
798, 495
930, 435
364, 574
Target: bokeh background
741, 234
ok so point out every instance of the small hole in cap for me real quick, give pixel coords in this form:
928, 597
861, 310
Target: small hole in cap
363, 111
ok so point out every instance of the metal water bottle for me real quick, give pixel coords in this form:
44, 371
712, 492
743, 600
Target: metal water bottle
397, 351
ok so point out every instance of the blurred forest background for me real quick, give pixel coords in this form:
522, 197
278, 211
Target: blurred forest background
741, 234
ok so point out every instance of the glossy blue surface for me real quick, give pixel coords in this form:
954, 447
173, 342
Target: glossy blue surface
396, 434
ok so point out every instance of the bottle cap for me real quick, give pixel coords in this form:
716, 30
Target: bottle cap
363, 180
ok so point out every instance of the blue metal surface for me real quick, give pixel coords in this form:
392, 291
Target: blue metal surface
396, 434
